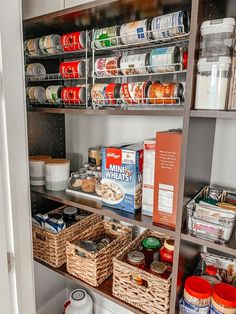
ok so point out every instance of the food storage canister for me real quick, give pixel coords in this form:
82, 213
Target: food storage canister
197, 294
165, 59
89, 183
107, 37
223, 299
135, 32
80, 302
57, 174
75, 181
212, 83
73, 41
217, 37
37, 169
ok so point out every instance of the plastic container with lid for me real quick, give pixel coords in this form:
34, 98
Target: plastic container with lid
197, 294
212, 83
167, 251
80, 302
57, 174
211, 275
217, 37
223, 299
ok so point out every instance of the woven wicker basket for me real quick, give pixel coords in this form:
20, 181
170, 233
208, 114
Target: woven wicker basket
50, 247
94, 268
152, 298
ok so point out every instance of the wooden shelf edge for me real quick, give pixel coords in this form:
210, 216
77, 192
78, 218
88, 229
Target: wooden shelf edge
170, 111
223, 248
105, 289
96, 207
214, 114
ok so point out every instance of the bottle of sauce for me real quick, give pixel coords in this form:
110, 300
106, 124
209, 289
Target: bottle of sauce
167, 251
151, 245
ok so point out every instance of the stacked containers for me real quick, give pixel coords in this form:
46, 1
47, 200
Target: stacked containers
214, 64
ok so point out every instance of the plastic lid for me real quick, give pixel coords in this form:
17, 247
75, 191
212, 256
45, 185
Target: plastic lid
39, 157
56, 161
169, 244
211, 270
136, 257
224, 294
151, 243
218, 26
158, 267
197, 287
70, 210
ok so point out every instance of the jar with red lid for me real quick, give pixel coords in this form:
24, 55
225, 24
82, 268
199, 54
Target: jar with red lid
167, 251
137, 259
223, 299
211, 275
151, 245
197, 294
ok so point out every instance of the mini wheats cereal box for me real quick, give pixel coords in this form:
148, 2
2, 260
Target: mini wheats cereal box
122, 167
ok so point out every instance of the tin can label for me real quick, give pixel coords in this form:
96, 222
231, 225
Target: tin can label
110, 97
106, 37
107, 66
53, 92
134, 32
73, 95
98, 93
125, 94
137, 92
73, 69
73, 41
163, 60
198, 309
135, 64
52, 43
162, 93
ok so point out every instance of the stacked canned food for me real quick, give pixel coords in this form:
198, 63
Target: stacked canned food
137, 93
55, 44
161, 28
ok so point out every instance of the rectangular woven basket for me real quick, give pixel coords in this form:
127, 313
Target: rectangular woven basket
94, 268
152, 298
50, 247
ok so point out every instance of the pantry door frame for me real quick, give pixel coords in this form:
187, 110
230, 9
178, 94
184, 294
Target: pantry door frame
17, 286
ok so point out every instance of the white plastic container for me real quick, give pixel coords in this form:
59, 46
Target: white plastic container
217, 37
212, 83
57, 174
37, 169
81, 303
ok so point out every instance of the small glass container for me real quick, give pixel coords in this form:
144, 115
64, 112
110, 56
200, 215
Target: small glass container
167, 251
158, 268
211, 275
75, 180
150, 245
69, 215
87, 165
82, 170
137, 259
89, 183
94, 156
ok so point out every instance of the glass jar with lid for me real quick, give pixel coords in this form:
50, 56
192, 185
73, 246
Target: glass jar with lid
89, 183
213, 83
151, 245
167, 251
69, 215
75, 180
137, 259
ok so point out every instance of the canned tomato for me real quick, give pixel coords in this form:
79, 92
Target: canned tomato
165, 93
73, 41
135, 64
170, 25
107, 37
73, 69
98, 93
165, 59
36, 69
36, 93
53, 93
51, 43
135, 32
112, 93
74, 95
184, 57
107, 66
32, 47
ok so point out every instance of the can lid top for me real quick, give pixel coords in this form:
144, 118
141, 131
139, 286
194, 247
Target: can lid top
224, 294
57, 161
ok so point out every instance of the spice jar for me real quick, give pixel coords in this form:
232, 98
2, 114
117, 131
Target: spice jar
150, 245
69, 215
223, 299
75, 180
211, 275
212, 83
197, 294
89, 183
137, 259
167, 251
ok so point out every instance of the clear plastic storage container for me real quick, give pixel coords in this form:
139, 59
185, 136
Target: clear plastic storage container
212, 83
217, 37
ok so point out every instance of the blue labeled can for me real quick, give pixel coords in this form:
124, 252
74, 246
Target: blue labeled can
165, 59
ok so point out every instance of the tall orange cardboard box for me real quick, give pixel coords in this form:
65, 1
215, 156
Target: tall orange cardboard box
167, 171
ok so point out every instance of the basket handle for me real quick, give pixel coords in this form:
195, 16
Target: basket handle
40, 237
80, 253
138, 280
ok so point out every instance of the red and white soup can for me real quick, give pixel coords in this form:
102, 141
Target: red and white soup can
73, 41
74, 95
135, 92
112, 94
73, 69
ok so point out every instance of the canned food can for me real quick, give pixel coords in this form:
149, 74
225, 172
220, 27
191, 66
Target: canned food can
36, 70
51, 44
53, 93
107, 66
107, 37
32, 47
98, 93
170, 25
112, 94
73, 41
184, 57
165, 93
135, 64
73, 69
125, 94
74, 95
138, 91
134, 32
95, 156
43, 50
37, 93
166, 59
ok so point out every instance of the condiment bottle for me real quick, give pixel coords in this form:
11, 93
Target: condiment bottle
137, 259
211, 275
223, 299
150, 245
167, 251
197, 294
69, 215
